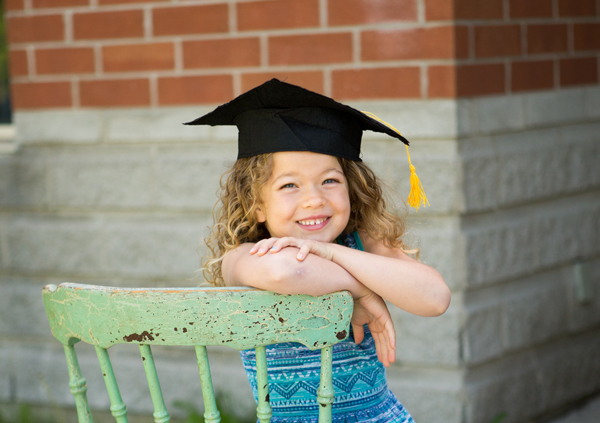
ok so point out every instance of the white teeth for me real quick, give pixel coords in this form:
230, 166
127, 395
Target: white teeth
311, 222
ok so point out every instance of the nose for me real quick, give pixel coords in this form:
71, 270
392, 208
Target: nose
313, 198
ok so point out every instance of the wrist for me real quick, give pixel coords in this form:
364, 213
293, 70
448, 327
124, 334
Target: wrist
334, 252
358, 291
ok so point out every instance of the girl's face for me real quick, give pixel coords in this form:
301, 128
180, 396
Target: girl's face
305, 197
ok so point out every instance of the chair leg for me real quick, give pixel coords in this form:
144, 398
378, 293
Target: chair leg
161, 415
263, 411
78, 386
326, 393
117, 406
211, 413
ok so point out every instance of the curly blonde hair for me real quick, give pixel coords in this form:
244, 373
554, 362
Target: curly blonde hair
235, 212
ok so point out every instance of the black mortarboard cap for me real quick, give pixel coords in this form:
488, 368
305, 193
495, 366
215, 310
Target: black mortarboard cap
277, 116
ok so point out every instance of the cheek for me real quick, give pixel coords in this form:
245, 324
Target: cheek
344, 200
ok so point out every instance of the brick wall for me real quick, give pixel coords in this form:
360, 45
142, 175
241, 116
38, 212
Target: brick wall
120, 53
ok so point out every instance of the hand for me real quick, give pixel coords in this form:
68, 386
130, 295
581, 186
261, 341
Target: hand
306, 246
370, 309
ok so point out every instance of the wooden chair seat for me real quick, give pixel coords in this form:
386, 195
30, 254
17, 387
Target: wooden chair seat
240, 318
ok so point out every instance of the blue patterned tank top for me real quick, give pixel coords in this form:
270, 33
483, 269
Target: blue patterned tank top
361, 391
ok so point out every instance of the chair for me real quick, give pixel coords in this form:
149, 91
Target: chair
241, 318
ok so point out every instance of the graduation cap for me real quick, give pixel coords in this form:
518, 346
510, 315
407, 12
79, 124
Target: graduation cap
277, 116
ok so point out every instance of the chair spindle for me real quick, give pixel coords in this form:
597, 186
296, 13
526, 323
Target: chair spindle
211, 413
78, 386
263, 411
161, 415
326, 392
117, 406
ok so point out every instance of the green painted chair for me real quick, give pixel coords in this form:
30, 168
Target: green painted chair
240, 318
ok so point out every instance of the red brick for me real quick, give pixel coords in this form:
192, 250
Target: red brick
478, 9
403, 44
461, 41
98, 25
546, 38
115, 93
474, 80
190, 20
310, 49
25, 29
576, 8
441, 81
527, 75
439, 10
579, 71
38, 4
531, 8
14, 4
497, 40
103, 2
195, 89
311, 80
64, 60
587, 36
18, 62
376, 83
353, 12
271, 14
138, 57
41, 95
230, 52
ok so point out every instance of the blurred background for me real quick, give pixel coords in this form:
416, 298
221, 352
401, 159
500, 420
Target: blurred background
101, 183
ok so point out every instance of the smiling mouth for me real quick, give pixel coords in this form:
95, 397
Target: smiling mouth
312, 222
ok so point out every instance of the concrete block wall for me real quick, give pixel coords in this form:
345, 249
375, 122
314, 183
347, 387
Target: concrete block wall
499, 96
530, 225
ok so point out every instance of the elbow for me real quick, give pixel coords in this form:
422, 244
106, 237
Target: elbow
442, 302
437, 298
440, 299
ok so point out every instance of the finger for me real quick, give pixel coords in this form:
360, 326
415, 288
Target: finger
277, 246
281, 243
263, 250
266, 245
390, 350
391, 331
382, 354
304, 250
377, 346
255, 247
359, 333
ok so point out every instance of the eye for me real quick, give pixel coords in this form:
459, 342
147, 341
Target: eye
290, 185
330, 181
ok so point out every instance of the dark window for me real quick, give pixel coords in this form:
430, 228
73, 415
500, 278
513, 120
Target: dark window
5, 112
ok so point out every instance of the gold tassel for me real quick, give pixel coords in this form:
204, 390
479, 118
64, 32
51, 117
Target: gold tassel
417, 194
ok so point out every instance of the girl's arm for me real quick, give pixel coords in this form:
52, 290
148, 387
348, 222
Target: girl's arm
284, 274
404, 282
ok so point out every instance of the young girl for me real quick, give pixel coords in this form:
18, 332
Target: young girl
300, 213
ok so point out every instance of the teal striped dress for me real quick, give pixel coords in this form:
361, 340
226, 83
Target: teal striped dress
361, 391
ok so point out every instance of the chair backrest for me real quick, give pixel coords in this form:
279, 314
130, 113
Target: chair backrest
241, 318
